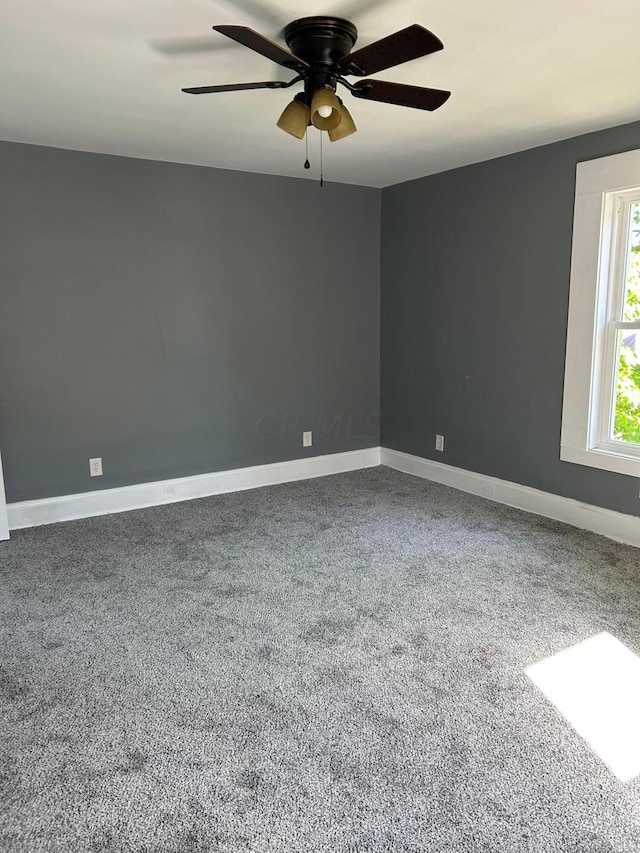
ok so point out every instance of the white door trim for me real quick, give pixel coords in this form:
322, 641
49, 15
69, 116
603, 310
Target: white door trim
4, 518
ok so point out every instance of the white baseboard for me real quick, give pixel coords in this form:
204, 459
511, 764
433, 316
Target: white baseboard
615, 525
607, 522
105, 501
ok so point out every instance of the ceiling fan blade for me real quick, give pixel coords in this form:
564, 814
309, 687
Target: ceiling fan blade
261, 44
407, 44
236, 87
190, 44
398, 93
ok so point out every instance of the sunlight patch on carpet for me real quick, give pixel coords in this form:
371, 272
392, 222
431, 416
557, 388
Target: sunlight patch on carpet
596, 686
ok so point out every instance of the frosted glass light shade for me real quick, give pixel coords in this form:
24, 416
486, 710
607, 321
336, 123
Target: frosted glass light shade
295, 119
346, 127
325, 98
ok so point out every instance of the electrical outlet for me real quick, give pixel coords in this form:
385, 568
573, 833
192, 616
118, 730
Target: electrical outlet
307, 439
95, 467
440, 442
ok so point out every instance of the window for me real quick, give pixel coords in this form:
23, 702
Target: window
601, 409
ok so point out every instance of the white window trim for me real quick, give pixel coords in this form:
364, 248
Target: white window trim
595, 217
4, 519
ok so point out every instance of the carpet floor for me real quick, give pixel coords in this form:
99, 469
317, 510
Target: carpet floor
332, 665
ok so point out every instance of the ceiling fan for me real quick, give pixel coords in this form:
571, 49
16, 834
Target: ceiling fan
320, 54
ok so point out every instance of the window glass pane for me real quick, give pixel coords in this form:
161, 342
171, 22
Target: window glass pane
626, 420
632, 291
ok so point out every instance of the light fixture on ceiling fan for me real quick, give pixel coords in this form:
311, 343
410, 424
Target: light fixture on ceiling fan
320, 53
327, 112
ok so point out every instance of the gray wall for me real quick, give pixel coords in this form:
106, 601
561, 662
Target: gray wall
475, 288
176, 319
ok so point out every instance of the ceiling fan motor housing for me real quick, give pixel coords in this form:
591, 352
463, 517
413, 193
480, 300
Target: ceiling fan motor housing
322, 42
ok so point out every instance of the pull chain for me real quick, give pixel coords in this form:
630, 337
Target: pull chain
307, 164
321, 165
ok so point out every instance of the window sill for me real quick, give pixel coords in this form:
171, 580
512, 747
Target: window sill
621, 463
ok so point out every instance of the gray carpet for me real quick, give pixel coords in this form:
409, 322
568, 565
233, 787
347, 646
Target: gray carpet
333, 665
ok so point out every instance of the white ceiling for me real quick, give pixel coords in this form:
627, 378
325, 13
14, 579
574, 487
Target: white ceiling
102, 77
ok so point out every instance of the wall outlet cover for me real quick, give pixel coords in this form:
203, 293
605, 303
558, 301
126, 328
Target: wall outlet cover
95, 467
440, 442
307, 439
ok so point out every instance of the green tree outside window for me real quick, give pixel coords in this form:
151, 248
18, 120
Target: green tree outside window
627, 413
